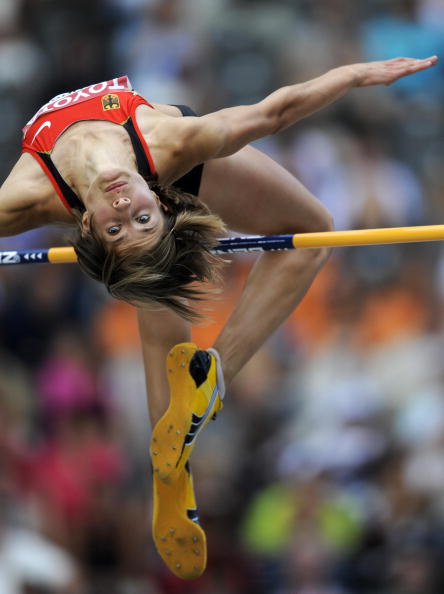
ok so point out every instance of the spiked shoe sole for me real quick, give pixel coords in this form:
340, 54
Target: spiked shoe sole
179, 540
174, 435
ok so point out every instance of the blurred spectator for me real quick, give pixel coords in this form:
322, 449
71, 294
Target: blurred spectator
397, 29
29, 562
353, 175
159, 55
66, 380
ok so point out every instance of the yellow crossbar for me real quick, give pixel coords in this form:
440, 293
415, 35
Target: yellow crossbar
369, 236
311, 240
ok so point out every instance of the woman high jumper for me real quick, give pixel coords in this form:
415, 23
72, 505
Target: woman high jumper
149, 192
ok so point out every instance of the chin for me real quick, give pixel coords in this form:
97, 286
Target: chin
109, 175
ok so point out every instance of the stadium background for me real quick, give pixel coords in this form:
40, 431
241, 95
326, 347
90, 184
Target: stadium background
325, 472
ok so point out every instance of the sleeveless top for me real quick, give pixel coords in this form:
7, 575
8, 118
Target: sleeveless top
113, 101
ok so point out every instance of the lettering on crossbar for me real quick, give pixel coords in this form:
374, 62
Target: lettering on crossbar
9, 258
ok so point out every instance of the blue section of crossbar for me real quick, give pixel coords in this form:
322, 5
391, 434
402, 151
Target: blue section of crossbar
254, 243
229, 245
23, 256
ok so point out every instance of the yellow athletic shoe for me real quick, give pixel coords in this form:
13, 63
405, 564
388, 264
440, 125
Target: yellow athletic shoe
178, 537
195, 398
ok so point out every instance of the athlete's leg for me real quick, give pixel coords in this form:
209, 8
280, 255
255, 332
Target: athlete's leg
178, 537
159, 330
253, 194
235, 187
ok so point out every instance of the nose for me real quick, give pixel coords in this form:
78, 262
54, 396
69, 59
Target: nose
121, 202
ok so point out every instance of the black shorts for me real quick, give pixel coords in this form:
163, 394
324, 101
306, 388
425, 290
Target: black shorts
190, 182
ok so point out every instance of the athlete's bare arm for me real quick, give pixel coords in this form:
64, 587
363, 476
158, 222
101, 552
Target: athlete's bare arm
27, 199
179, 144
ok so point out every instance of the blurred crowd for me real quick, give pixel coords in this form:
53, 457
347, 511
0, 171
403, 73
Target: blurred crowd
325, 472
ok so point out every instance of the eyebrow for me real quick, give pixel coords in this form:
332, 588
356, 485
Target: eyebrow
150, 230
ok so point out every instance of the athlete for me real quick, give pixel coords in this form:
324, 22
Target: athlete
149, 191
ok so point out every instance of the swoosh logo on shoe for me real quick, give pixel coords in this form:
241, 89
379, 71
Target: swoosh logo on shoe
46, 124
198, 421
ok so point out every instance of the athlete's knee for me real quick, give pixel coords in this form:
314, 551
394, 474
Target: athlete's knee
327, 220
320, 221
294, 264
316, 218
308, 259
323, 223
314, 258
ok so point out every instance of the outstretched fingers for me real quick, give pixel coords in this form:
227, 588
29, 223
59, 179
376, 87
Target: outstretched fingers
408, 66
388, 71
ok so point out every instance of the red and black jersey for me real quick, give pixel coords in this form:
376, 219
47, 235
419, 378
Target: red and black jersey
112, 101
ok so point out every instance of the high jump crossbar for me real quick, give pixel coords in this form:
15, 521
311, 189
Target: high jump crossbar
260, 243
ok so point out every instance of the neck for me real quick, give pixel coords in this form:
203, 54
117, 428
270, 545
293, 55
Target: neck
86, 151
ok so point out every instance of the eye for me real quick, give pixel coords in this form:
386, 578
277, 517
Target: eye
143, 219
113, 230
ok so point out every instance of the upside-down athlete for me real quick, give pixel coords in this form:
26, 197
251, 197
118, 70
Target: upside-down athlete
149, 193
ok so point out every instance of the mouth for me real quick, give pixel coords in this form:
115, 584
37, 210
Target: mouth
115, 186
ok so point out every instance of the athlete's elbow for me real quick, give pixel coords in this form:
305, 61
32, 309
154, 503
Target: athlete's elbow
277, 123
270, 119
276, 111
326, 222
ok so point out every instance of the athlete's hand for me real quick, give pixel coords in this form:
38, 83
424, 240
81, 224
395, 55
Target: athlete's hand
388, 71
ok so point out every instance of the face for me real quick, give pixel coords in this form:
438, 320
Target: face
123, 209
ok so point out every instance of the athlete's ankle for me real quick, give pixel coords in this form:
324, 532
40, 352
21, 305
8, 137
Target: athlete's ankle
220, 377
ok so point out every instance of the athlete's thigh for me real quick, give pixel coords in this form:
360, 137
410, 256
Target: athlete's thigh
253, 194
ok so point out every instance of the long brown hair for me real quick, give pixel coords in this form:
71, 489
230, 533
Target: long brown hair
166, 273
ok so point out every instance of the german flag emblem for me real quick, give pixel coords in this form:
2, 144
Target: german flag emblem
110, 102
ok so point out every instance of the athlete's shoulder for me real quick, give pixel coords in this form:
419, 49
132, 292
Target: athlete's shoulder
170, 110
26, 183
24, 197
